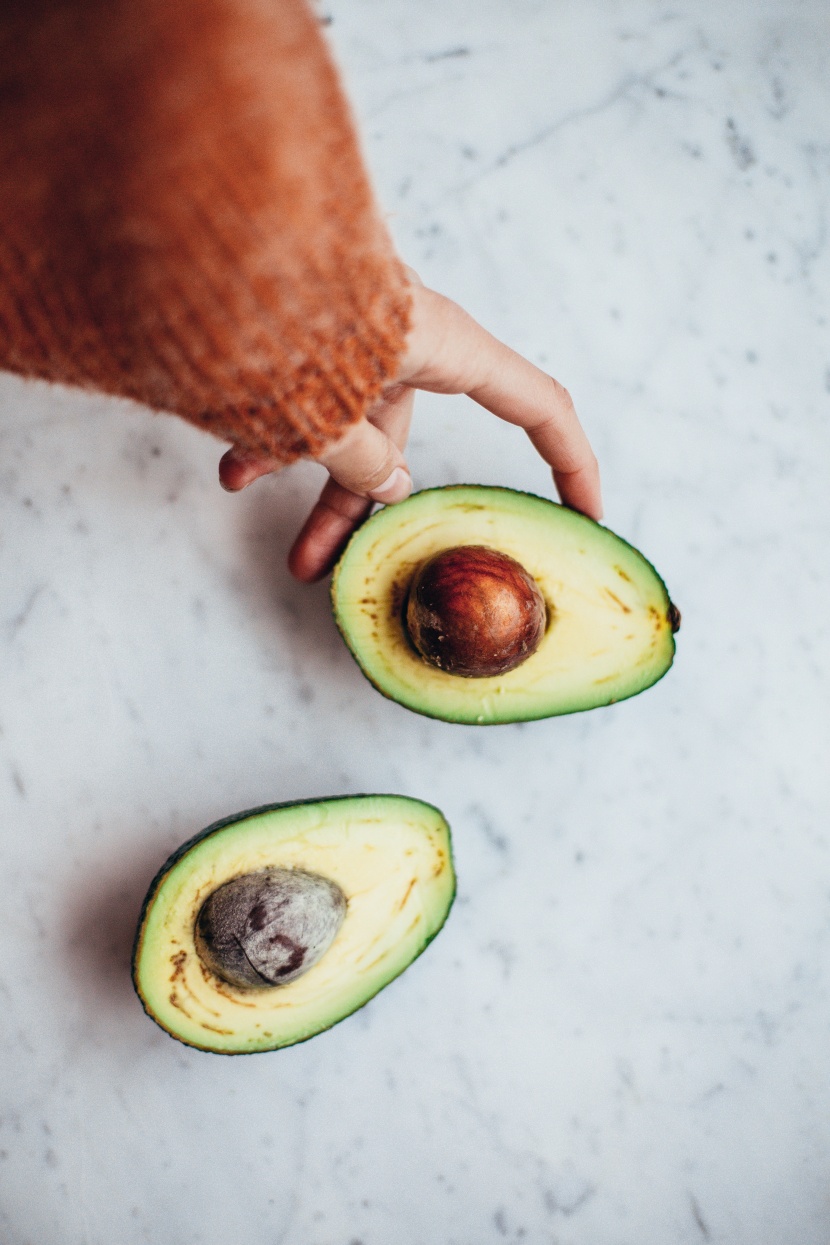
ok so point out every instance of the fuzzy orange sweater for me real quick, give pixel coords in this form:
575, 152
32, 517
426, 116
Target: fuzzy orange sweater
185, 218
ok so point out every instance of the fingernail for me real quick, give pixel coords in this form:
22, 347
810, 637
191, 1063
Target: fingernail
397, 487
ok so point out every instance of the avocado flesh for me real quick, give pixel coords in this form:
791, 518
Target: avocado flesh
609, 632
390, 856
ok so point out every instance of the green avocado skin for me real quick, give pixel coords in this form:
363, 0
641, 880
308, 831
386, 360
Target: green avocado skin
235, 819
445, 707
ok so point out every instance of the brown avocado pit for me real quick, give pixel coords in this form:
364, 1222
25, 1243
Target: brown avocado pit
474, 612
268, 928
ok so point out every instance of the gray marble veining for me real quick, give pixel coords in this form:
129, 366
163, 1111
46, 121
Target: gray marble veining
622, 1037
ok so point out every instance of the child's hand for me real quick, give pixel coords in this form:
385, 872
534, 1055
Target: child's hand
447, 352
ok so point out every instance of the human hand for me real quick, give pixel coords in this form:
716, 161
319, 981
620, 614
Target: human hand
447, 352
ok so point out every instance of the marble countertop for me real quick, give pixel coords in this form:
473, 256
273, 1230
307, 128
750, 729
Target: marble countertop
622, 1036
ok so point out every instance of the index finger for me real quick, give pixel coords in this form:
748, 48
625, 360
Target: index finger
449, 352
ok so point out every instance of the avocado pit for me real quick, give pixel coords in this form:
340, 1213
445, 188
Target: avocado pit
268, 928
475, 612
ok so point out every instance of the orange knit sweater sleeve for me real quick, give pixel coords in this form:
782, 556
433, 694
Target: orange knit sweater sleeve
185, 218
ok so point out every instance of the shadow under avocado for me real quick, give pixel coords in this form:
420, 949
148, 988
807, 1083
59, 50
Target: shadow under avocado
100, 924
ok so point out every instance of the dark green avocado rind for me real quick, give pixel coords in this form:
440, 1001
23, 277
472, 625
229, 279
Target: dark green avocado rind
529, 717
232, 820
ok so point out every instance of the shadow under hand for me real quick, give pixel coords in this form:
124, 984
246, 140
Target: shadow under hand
274, 511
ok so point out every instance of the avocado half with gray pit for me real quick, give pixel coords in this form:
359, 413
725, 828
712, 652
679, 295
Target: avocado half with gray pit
484, 605
273, 925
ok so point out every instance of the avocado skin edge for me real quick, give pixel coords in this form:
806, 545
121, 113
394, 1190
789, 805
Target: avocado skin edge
231, 820
539, 717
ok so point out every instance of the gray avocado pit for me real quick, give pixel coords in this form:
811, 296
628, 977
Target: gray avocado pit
268, 928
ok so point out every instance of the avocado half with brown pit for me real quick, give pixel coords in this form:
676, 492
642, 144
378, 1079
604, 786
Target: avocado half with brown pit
275, 924
484, 605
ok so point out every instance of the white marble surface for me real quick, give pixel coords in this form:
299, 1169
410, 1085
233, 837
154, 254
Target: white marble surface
622, 1037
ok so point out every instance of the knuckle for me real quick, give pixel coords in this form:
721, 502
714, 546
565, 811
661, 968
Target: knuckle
413, 276
367, 462
379, 474
562, 395
578, 462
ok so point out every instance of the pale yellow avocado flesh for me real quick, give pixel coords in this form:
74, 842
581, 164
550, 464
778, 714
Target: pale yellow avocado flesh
610, 621
391, 857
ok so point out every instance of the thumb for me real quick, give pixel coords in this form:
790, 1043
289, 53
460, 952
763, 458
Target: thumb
367, 462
